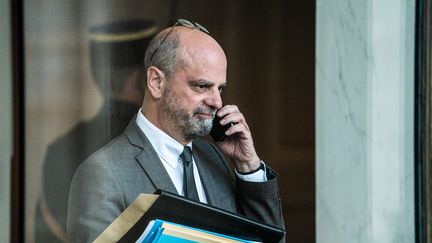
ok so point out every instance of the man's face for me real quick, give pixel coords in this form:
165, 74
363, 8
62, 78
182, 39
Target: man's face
191, 122
192, 97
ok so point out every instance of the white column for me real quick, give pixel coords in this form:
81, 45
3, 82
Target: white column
364, 121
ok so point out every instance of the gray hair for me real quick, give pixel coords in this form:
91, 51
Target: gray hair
166, 57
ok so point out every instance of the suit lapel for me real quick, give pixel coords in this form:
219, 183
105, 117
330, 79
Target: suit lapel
148, 158
212, 182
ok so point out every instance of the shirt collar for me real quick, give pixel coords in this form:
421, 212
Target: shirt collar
166, 147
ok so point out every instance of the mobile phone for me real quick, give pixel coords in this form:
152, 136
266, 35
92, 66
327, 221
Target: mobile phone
218, 131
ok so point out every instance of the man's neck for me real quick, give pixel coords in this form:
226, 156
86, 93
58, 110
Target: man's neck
161, 124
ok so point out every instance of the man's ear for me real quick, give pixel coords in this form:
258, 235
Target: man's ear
155, 81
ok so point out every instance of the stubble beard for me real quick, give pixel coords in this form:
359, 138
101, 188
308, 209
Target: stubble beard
191, 126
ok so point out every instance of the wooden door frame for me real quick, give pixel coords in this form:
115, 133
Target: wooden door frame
17, 161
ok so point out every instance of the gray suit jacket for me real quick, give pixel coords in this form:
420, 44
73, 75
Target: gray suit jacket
111, 179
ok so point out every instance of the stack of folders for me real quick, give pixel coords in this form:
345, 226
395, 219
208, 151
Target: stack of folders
161, 231
165, 215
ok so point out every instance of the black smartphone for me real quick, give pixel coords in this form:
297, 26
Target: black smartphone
218, 131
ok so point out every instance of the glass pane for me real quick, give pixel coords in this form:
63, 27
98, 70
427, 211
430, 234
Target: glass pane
84, 84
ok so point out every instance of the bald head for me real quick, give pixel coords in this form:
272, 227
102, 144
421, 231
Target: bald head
182, 46
186, 72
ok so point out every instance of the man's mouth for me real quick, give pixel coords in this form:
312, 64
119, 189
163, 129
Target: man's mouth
206, 113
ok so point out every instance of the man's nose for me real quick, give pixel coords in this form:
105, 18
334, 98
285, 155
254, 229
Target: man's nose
214, 99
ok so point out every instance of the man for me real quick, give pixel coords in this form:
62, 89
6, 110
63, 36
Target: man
116, 53
186, 72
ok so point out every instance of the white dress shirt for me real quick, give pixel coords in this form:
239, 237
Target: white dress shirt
169, 150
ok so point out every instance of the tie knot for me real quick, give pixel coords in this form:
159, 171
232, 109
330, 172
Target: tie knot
186, 155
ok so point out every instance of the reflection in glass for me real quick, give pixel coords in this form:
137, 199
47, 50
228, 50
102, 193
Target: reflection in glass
116, 57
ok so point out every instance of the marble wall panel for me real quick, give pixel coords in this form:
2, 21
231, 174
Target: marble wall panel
364, 126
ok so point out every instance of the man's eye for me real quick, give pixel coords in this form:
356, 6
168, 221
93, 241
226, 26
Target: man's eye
201, 87
221, 89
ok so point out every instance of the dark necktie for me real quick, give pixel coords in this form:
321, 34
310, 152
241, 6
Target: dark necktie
189, 186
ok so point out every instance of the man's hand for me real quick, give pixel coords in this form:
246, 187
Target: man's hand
239, 144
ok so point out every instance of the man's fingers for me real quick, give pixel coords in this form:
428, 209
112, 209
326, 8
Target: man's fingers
227, 110
232, 118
